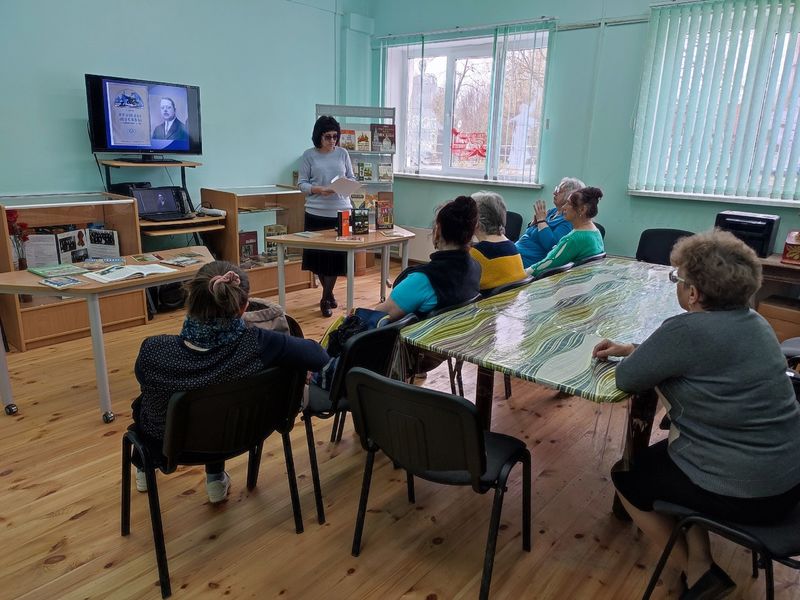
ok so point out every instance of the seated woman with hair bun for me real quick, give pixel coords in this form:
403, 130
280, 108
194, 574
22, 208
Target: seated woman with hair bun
584, 240
214, 346
451, 277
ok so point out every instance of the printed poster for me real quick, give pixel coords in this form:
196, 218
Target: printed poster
128, 114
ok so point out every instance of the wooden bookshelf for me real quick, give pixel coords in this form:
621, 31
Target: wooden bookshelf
51, 319
285, 202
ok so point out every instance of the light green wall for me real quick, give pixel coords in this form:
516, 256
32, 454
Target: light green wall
261, 66
591, 99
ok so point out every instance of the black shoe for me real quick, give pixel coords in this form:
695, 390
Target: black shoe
332, 302
712, 585
325, 307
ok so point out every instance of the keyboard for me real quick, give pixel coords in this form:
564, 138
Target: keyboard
167, 216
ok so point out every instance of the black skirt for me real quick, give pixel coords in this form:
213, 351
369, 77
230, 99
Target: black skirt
323, 262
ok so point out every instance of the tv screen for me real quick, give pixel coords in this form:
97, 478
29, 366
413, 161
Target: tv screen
147, 117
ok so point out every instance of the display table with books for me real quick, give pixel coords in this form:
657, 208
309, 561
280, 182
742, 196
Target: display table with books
329, 240
133, 272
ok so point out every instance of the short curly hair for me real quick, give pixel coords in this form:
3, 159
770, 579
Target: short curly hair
324, 124
491, 212
724, 269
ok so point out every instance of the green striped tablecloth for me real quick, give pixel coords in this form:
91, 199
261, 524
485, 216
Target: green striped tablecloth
545, 331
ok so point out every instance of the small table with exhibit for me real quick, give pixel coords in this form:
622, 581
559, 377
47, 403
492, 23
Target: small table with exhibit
24, 282
328, 240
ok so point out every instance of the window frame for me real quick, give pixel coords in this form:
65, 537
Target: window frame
494, 45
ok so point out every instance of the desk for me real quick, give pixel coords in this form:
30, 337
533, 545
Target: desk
545, 332
774, 270
23, 282
326, 240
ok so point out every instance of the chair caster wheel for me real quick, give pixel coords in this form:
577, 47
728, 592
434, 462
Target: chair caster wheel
108, 417
11, 409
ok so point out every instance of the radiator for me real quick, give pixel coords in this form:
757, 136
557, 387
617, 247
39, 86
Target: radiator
419, 248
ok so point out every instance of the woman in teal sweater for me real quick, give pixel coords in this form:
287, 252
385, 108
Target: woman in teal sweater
584, 240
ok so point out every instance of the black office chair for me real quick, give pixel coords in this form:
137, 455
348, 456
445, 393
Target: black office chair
422, 361
211, 425
601, 228
513, 228
506, 287
775, 542
656, 244
373, 350
554, 270
437, 437
589, 259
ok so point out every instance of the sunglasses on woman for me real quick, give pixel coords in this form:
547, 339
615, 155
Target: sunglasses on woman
331, 137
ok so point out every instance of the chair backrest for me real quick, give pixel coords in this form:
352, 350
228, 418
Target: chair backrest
506, 287
294, 327
655, 245
371, 350
589, 259
513, 225
422, 430
554, 270
601, 228
227, 419
444, 309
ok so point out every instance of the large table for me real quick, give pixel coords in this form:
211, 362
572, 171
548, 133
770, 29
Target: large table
327, 240
23, 282
544, 332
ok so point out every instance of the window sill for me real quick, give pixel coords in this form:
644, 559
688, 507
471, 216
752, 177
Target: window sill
720, 199
469, 180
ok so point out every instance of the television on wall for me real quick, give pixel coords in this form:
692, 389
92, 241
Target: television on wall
136, 116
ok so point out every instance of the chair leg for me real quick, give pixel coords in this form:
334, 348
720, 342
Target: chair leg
125, 517
335, 426
253, 465
290, 473
491, 543
662, 561
340, 431
526, 501
452, 374
410, 485
312, 457
754, 555
770, 579
507, 384
362, 503
158, 532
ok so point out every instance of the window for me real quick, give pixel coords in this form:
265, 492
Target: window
469, 106
719, 102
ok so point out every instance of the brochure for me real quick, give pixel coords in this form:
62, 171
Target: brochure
61, 282
57, 270
120, 272
181, 261
344, 186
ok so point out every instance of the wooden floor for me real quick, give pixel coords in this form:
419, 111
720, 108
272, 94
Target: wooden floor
59, 503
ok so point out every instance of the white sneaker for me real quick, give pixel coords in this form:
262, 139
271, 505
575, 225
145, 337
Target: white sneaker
218, 490
141, 481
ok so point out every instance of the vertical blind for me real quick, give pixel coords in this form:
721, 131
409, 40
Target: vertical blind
719, 101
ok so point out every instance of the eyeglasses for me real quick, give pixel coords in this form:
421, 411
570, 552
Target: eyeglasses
556, 190
673, 277
331, 136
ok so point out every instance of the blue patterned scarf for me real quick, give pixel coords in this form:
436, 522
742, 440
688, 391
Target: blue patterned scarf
213, 333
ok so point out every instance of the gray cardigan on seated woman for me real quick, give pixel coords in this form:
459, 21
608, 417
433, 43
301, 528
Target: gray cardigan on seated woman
722, 376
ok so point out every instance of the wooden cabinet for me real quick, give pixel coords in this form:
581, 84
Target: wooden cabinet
276, 204
47, 320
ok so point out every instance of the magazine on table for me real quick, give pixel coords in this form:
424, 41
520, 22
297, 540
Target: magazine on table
180, 261
122, 272
60, 283
57, 270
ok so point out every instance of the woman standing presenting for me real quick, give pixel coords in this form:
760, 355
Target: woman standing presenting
319, 165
